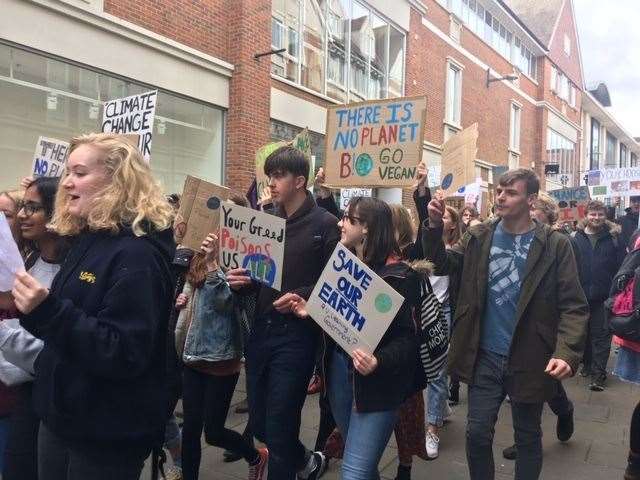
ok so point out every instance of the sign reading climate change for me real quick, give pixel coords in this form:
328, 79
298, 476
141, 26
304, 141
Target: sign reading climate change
353, 304
615, 182
376, 143
253, 240
132, 114
50, 157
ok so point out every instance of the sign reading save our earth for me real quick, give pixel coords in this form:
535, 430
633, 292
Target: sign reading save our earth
252, 240
376, 143
353, 304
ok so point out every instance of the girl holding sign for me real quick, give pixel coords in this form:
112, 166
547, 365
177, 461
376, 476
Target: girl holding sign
99, 388
366, 391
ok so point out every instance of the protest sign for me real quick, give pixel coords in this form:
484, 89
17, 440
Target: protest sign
253, 240
572, 202
10, 258
132, 114
346, 194
351, 303
199, 212
376, 143
301, 141
615, 182
50, 157
458, 160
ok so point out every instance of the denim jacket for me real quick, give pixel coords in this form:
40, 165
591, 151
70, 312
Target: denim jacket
213, 331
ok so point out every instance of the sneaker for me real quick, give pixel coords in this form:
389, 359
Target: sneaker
259, 470
315, 385
319, 467
510, 453
431, 444
243, 406
585, 371
597, 383
564, 427
174, 473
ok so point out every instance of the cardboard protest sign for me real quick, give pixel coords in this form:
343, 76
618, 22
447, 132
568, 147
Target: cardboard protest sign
132, 114
346, 194
49, 158
10, 258
199, 212
353, 304
572, 202
376, 143
253, 240
615, 182
458, 160
301, 141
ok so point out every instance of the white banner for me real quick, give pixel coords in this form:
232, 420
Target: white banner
614, 182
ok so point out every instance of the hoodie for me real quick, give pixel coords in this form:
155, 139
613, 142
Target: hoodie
100, 378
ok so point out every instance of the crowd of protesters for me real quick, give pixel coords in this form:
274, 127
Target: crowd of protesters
110, 324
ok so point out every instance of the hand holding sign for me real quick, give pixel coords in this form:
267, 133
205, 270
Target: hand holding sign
210, 248
28, 293
238, 278
436, 209
365, 363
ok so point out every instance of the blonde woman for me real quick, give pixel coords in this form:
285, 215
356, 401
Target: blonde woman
99, 388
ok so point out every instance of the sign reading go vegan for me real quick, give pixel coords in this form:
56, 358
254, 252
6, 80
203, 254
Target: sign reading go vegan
376, 143
353, 304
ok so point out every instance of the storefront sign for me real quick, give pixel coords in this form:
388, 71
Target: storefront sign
253, 240
346, 194
572, 202
376, 143
50, 157
615, 182
458, 160
132, 114
353, 304
199, 212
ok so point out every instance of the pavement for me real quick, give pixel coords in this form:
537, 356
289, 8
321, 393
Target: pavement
597, 450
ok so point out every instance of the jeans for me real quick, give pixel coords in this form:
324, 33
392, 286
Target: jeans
206, 400
437, 392
486, 394
560, 403
366, 434
21, 452
280, 359
59, 460
598, 346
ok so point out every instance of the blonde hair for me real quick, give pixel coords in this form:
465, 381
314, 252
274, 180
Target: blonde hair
133, 197
547, 205
402, 225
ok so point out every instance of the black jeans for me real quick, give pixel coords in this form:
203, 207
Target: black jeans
59, 460
560, 403
280, 358
598, 346
205, 402
21, 452
486, 394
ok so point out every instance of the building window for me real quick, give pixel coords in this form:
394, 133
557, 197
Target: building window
514, 128
610, 159
187, 138
634, 160
453, 94
624, 155
455, 29
481, 22
567, 45
514, 160
596, 144
349, 53
562, 86
561, 151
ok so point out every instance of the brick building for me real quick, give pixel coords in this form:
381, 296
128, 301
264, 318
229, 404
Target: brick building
59, 59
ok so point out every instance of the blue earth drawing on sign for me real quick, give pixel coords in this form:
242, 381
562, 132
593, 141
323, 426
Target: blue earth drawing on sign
364, 164
260, 267
447, 181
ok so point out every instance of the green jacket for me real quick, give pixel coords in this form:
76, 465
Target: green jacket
552, 310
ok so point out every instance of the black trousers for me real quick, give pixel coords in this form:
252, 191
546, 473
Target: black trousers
205, 401
598, 346
21, 452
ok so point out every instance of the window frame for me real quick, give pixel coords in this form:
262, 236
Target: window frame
453, 104
515, 126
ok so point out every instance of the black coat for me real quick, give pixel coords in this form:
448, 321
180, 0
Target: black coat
599, 265
100, 378
629, 224
397, 353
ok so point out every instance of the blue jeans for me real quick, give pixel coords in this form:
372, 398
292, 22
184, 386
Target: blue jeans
366, 434
280, 360
437, 392
486, 394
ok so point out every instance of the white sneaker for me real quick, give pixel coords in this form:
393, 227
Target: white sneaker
431, 444
174, 473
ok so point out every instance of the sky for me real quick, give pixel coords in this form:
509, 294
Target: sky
609, 33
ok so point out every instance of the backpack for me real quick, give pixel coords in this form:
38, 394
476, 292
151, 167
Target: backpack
433, 334
622, 308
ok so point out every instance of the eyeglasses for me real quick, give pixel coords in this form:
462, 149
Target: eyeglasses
352, 219
30, 208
